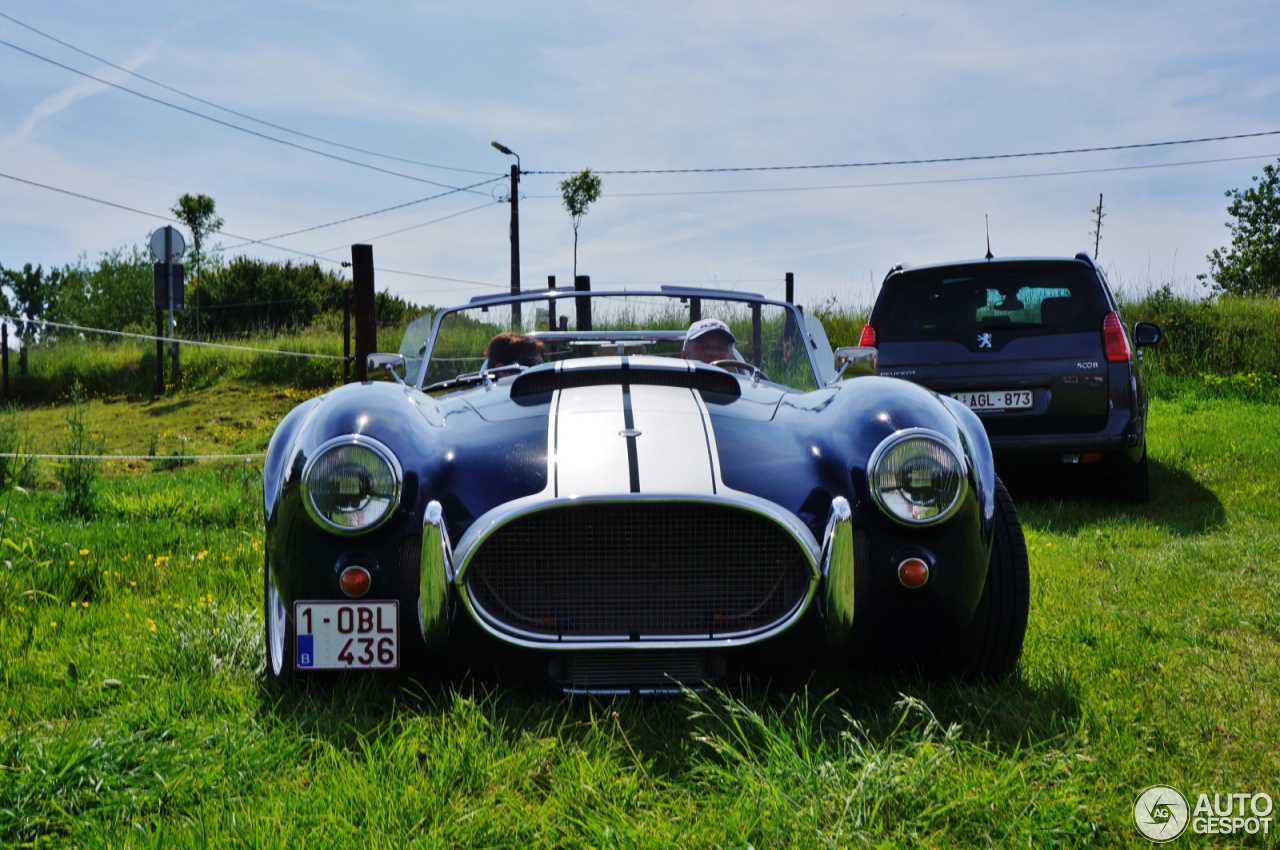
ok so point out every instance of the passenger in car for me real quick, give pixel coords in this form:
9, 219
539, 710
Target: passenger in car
709, 340
513, 349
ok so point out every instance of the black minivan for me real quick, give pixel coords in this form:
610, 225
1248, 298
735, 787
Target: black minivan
1036, 348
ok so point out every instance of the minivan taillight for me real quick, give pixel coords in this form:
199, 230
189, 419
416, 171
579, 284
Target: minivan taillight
1114, 342
868, 338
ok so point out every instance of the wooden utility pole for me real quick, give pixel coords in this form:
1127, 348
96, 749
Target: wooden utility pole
516, 318
365, 308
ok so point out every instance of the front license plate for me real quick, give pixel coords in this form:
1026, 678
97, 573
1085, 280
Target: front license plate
996, 399
347, 635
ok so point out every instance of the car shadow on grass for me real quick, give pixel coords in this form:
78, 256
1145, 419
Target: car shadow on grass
158, 408
1179, 503
886, 708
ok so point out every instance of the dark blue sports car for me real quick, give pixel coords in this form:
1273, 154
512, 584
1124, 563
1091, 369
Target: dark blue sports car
628, 492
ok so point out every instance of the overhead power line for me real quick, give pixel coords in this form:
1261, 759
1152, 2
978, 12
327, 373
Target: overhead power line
230, 111
938, 181
219, 121
977, 158
416, 226
246, 240
383, 210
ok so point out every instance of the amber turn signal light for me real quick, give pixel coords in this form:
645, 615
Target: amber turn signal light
355, 581
913, 573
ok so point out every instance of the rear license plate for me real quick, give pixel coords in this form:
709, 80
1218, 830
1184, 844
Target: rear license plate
347, 635
996, 399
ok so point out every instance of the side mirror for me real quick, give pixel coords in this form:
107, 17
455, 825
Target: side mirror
856, 360
393, 363
1145, 333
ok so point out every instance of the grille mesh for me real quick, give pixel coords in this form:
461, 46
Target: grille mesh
626, 571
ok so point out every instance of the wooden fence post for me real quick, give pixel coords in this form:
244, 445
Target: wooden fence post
4, 357
582, 283
346, 337
159, 388
365, 308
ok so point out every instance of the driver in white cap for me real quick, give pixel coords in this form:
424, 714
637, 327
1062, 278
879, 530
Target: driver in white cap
708, 340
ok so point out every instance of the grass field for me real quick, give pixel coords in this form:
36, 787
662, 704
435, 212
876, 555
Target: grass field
133, 711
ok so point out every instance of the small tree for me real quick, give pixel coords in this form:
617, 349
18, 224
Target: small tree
199, 214
1096, 233
1251, 266
580, 191
35, 296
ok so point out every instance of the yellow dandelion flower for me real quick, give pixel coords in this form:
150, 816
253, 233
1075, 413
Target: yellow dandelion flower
133, 584
201, 555
53, 624
117, 575
107, 573
84, 552
71, 563
84, 604
151, 557
151, 624
73, 604
128, 616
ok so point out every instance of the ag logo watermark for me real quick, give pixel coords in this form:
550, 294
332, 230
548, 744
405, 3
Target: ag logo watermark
1161, 813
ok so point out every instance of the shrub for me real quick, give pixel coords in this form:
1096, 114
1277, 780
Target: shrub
78, 472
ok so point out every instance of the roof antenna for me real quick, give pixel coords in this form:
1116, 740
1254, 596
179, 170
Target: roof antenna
988, 224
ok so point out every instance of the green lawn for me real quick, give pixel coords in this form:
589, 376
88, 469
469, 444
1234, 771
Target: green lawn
133, 711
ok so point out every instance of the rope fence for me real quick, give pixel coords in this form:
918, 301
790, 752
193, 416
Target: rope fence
153, 338
158, 458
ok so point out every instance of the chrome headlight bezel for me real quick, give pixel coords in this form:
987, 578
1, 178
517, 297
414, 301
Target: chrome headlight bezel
378, 450
896, 439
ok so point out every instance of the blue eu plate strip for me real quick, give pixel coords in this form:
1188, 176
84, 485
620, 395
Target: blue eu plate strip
306, 650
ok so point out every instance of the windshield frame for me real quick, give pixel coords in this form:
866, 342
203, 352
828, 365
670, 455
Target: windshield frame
813, 345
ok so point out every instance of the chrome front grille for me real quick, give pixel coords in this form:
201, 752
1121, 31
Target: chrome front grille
639, 570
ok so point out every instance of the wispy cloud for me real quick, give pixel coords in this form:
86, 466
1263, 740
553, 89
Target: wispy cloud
81, 89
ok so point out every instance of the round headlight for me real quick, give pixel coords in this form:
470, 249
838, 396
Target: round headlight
916, 477
352, 484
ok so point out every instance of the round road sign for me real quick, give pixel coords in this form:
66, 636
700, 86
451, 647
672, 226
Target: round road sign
177, 245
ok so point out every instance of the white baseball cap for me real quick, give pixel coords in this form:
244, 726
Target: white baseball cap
706, 326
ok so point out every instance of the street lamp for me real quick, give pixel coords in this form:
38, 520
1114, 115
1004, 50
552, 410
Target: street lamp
515, 231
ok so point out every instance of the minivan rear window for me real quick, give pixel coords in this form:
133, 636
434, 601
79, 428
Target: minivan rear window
985, 305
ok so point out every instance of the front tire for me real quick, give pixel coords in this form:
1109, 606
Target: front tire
278, 635
990, 645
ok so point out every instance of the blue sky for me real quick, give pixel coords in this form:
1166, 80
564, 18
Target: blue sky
579, 84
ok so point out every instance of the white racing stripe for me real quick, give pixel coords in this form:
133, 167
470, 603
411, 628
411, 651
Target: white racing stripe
590, 453
672, 447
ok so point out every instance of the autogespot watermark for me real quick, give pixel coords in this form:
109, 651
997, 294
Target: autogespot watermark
1161, 813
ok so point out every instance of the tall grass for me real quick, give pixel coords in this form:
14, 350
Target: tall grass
127, 368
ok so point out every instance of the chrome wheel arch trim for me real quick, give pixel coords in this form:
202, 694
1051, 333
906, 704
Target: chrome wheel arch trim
495, 519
